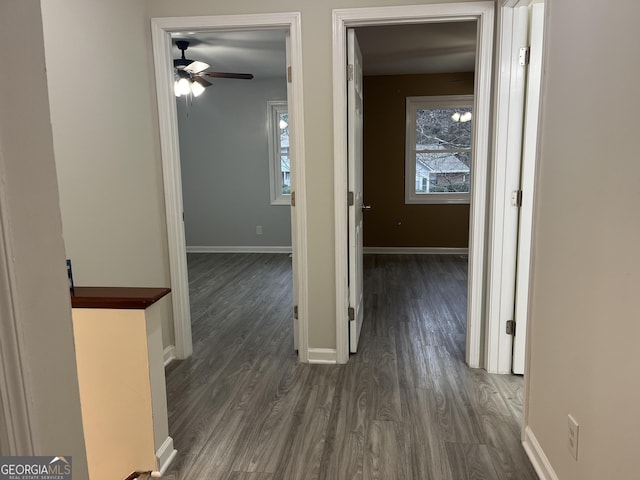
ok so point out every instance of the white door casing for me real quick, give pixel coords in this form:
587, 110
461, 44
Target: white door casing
355, 124
482, 12
509, 108
529, 152
161, 28
508, 222
292, 167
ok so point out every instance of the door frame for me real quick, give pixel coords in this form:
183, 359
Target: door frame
483, 13
512, 33
509, 107
161, 28
528, 185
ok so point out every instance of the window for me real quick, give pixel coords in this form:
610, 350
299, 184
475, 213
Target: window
279, 162
438, 149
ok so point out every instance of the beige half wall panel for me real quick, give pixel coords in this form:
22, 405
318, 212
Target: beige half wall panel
122, 390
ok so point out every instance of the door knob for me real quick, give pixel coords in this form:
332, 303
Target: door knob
366, 207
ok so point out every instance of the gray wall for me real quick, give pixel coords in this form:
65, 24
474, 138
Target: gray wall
586, 277
106, 143
391, 222
225, 166
39, 286
318, 130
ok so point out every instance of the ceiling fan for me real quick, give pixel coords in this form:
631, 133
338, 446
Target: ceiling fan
190, 74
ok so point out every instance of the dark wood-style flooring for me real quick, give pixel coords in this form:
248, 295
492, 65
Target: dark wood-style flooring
404, 407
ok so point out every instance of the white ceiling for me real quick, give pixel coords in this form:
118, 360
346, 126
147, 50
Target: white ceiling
422, 48
260, 52
387, 50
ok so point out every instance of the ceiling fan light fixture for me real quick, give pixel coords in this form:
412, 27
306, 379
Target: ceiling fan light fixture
465, 117
196, 89
183, 86
176, 89
456, 117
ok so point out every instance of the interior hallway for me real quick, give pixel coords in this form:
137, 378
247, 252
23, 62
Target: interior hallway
404, 407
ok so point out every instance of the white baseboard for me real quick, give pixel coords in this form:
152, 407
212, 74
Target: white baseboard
240, 249
165, 455
416, 250
537, 456
169, 355
323, 355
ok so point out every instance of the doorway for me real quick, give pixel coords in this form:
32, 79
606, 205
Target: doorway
482, 13
418, 83
234, 161
162, 28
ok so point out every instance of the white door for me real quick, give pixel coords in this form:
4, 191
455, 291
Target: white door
354, 126
529, 141
294, 173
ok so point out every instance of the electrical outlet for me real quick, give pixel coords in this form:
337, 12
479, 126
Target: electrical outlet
573, 437
258, 229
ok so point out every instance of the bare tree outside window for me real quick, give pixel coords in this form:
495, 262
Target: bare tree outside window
438, 152
443, 148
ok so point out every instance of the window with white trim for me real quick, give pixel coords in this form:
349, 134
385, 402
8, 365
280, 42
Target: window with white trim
438, 149
279, 160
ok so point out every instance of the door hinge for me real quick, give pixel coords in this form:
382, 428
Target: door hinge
352, 313
350, 201
289, 74
511, 327
516, 198
295, 312
525, 55
293, 199
349, 72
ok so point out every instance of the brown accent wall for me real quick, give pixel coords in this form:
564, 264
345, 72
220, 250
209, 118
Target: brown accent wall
391, 223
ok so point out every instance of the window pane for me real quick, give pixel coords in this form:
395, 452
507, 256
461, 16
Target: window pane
442, 172
285, 174
283, 125
443, 128
285, 166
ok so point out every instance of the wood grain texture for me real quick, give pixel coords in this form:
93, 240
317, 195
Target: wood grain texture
404, 407
131, 298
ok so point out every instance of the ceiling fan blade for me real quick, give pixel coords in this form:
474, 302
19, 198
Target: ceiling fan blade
202, 81
196, 67
238, 76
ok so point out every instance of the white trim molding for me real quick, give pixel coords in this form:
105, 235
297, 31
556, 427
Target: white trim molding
507, 147
161, 29
322, 356
415, 251
164, 457
483, 13
240, 249
170, 152
536, 455
168, 355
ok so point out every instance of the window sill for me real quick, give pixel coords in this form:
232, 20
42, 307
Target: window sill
438, 199
281, 200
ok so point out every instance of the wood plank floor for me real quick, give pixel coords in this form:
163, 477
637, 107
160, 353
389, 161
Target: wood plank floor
404, 407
